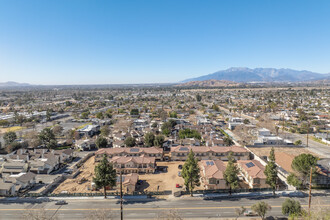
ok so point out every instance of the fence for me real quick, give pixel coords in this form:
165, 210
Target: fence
226, 191
117, 193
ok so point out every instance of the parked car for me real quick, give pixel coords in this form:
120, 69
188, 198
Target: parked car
61, 202
68, 171
249, 213
179, 173
177, 185
180, 167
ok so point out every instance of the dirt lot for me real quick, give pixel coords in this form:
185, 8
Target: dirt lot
151, 182
284, 155
164, 180
73, 186
264, 151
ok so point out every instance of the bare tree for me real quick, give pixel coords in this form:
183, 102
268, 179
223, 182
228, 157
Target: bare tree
38, 214
100, 214
169, 215
240, 211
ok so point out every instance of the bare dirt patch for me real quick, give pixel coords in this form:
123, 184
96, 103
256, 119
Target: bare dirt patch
80, 184
164, 180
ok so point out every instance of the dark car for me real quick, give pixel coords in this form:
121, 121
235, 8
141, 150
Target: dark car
180, 166
61, 202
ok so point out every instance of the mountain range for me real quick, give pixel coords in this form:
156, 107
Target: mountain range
243, 74
13, 84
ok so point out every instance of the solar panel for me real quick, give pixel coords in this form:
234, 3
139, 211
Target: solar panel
250, 164
183, 149
209, 163
134, 150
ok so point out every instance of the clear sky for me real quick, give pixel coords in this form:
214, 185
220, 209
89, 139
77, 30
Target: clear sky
149, 41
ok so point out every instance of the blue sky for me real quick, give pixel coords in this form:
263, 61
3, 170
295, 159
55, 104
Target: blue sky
149, 41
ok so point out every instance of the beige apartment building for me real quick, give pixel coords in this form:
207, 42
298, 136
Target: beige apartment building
253, 173
212, 172
180, 153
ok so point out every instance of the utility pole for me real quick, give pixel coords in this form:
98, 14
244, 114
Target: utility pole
121, 195
307, 132
310, 192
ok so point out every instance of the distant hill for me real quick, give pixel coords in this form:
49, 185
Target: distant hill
13, 84
209, 83
243, 74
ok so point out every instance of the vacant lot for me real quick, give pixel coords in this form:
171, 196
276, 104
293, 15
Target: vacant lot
294, 151
151, 182
76, 185
164, 180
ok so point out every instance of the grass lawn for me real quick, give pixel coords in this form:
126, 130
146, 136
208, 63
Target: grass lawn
14, 129
64, 147
318, 140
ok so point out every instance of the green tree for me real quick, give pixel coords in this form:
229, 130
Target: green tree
159, 140
167, 127
294, 181
101, 142
271, 171
228, 141
261, 209
198, 97
47, 138
130, 142
189, 133
105, 131
108, 113
215, 107
99, 115
173, 115
154, 125
302, 165
166, 131
84, 115
231, 174
291, 207
149, 139
9, 137
246, 121
105, 175
135, 111
48, 114
4, 123
190, 172
298, 142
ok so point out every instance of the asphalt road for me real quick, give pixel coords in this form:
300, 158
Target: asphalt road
314, 146
188, 208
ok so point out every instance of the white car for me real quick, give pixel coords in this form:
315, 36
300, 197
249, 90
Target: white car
249, 213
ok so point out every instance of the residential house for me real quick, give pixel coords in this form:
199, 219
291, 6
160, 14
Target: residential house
13, 167
85, 145
44, 165
26, 180
7, 189
89, 130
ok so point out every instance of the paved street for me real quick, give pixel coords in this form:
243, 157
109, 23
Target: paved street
313, 146
189, 208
